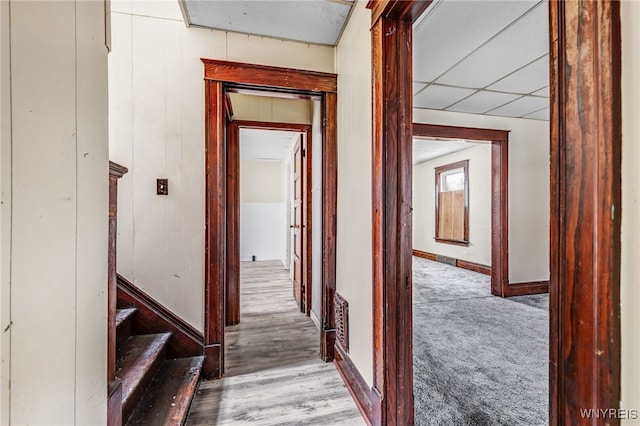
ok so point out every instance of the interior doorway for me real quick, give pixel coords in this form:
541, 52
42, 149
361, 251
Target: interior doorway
221, 242
585, 237
297, 213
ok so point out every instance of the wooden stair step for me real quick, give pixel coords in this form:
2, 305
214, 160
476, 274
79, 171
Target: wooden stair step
123, 325
123, 315
167, 399
138, 361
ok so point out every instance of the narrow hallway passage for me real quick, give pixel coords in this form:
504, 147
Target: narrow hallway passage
274, 375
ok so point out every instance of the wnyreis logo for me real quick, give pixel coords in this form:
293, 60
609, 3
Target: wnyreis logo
608, 413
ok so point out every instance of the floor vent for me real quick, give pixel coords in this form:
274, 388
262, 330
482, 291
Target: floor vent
448, 260
341, 308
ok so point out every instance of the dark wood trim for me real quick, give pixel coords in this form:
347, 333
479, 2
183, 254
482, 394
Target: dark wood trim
232, 283
391, 39
586, 139
307, 216
457, 132
273, 77
453, 242
475, 267
358, 388
215, 229
397, 9
213, 355
527, 288
114, 391
585, 63
228, 107
499, 216
153, 317
272, 94
329, 223
424, 255
221, 76
271, 125
464, 165
464, 264
114, 403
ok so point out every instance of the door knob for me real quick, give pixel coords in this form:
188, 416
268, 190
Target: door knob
294, 226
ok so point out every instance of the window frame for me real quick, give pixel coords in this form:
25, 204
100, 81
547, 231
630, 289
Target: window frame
464, 165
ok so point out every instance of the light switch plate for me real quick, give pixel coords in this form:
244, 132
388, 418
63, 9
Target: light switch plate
162, 186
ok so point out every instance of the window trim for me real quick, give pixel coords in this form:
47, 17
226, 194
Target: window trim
464, 164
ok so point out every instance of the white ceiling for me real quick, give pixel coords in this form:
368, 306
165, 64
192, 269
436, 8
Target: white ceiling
270, 145
311, 21
425, 149
483, 57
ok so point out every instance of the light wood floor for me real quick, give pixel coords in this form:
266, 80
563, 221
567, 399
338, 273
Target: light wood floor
274, 375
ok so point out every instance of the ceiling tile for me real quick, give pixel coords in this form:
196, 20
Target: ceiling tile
482, 101
439, 43
521, 107
418, 87
516, 46
542, 92
543, 114
440, 97
308, 21
527, 79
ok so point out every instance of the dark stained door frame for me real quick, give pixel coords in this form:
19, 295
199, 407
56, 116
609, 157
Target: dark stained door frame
499, 140
232, 296
585, 63
223, 76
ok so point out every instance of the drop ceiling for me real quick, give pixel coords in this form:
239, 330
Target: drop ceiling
309, 21
472, 56
483, 57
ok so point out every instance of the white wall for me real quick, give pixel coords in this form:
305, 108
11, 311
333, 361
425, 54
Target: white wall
288, 196
354, 245
54, 213
156, 95
5, 212
424, 219
528, 187
262, 210
630, 293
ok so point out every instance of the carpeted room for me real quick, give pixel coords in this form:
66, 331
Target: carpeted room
478, 359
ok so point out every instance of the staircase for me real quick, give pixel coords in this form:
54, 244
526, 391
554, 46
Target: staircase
156, 390
153, 357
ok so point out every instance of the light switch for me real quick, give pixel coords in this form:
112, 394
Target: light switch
162, 186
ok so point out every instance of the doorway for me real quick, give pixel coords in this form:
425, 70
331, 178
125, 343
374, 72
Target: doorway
221, 242
585, 189
297, 211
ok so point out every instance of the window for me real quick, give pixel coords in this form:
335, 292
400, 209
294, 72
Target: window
452, 203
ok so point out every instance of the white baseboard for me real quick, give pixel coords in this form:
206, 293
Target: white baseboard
315, 319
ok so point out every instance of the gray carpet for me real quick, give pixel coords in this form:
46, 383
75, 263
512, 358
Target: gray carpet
478, 359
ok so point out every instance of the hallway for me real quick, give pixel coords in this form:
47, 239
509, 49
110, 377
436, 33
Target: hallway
274, 375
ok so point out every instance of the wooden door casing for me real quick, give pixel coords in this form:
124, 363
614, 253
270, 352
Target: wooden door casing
296, 226
222, 77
